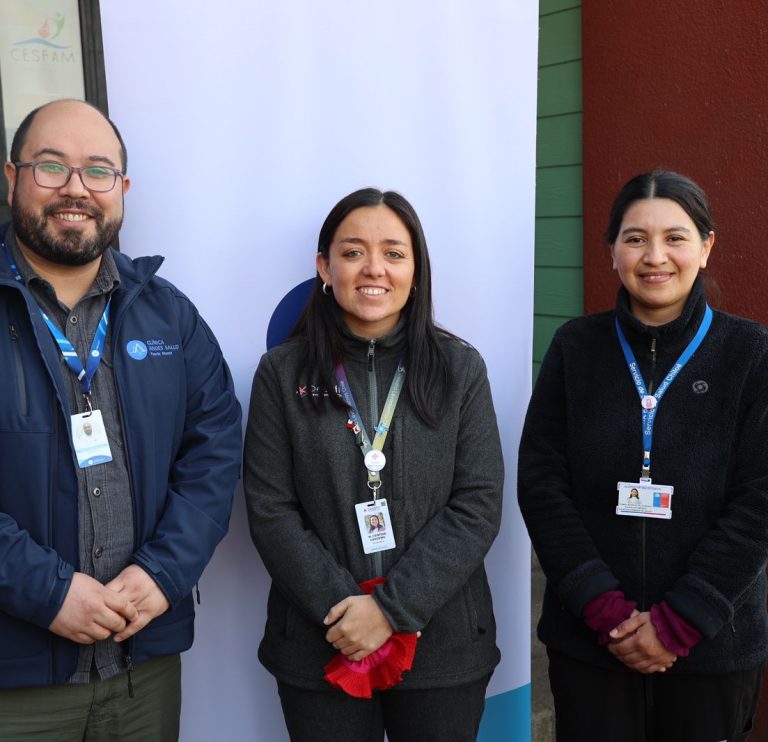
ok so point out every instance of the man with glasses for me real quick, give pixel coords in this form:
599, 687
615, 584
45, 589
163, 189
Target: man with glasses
102, 536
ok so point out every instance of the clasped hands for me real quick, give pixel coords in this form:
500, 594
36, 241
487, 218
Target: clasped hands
125, 605
635, 643
358, 627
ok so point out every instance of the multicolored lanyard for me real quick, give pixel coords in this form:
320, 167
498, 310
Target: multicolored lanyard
372, 452
650, 402
84, 374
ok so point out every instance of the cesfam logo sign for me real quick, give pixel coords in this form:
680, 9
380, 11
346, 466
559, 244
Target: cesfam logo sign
42, 48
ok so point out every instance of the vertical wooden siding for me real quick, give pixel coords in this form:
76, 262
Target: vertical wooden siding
559, 274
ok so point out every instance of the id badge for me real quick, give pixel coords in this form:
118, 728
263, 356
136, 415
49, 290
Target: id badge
90, 439
375, 526
645, 500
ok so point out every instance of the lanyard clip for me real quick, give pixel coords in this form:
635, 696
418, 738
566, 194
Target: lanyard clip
374, 483
88, 408
645, 472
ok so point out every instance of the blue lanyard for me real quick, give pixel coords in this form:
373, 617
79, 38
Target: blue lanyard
650, 403
14, 269
374, 480
84, 375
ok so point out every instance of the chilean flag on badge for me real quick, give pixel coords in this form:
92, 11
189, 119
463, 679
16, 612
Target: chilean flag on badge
661, 499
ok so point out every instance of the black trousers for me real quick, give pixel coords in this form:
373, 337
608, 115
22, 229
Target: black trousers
433, 715
593, 704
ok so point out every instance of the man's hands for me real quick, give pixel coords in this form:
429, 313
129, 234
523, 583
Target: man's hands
359, 627
142, 591
92, 611
636, 644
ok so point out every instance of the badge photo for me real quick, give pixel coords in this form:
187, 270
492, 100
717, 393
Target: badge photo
90, 439
375, 526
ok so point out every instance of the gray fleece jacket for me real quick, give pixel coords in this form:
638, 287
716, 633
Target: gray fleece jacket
303, 474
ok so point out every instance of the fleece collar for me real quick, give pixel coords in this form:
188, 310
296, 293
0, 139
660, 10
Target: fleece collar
682, 327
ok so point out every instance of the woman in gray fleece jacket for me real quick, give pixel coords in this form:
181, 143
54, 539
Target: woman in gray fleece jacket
320, 402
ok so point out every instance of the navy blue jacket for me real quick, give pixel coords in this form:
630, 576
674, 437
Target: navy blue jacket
182, 432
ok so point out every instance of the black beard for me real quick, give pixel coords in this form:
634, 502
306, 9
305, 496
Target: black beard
70, 247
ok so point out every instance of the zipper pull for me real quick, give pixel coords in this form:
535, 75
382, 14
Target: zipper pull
371, 346
129, 668
14, 335
653, 366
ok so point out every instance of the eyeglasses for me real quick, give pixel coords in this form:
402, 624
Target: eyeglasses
50, 174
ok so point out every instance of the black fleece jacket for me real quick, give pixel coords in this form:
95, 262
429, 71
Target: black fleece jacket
583, 434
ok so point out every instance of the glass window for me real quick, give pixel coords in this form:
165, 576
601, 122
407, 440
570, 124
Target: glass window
49, 49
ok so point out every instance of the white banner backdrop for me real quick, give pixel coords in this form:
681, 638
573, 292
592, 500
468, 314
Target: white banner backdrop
245, 122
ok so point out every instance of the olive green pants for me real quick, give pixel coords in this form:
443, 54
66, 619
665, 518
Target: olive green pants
98, 711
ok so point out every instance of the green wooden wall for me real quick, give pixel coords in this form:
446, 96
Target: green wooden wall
559, 273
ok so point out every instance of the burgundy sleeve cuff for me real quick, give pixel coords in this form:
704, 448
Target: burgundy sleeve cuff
674, 632
605, 612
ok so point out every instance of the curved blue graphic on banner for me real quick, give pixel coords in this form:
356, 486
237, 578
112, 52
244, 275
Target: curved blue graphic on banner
287, 312
507, 717
136, 350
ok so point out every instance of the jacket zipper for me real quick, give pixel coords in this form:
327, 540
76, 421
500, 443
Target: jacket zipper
129, 668
115, 328
372, 385
121, 412
378, 566
20, 381
643, 527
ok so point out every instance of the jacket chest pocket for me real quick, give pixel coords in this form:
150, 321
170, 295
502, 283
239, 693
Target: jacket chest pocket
18, 369
26, 389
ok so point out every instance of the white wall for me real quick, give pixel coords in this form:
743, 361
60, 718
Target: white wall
245, 122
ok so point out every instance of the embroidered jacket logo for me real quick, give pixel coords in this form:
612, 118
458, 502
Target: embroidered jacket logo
311, 390
136, 350
156, 348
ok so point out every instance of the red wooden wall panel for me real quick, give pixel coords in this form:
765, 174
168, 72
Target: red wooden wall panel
680, 85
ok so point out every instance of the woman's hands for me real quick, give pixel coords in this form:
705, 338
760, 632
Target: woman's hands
359, 627
635, 643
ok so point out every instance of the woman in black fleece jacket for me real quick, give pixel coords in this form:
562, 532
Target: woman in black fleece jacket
654, 617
